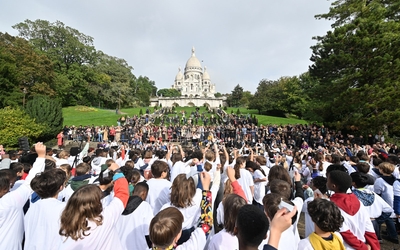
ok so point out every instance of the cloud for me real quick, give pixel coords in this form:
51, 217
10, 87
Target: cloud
240, 42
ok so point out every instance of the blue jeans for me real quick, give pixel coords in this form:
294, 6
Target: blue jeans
390, 226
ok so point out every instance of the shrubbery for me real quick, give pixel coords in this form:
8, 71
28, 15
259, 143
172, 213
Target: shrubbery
15, 123
48, 112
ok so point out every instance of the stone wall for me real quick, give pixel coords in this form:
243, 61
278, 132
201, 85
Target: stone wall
188, 101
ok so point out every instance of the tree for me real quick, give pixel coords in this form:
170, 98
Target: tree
234, 99
145, 89
246, 98
15, 123
21, 67
268, 97
357, 64
217, 95
169, 92
64, 45
47, 112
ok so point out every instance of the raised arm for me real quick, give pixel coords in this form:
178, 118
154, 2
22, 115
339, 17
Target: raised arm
206, 217
237, 189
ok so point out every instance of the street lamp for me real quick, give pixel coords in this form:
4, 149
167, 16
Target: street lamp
23, 101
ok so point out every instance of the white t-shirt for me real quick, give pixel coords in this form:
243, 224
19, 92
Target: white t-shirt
190, 214
259, 187
104, 236
133, 228
179, 168
246, 181
223, 241
11, 213
196, 241
158, 195
43, 219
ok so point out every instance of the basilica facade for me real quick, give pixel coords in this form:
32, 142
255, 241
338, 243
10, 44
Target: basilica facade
194, 81
195, 87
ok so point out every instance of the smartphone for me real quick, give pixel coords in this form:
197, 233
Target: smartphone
286, 205
316, 191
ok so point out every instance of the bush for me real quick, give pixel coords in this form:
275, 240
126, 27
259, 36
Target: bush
15, 123
140, 112
48, 112
238, 111
225, 108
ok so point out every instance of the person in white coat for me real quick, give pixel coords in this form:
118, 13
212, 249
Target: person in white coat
11, 212
43, 216
133, 225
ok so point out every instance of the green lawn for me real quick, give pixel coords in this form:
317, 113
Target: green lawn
80, 115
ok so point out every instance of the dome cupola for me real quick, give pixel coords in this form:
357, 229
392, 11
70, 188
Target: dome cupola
179, 76
193, 64
206, 76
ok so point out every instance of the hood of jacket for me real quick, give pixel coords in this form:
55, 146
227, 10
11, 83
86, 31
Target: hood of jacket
349, 203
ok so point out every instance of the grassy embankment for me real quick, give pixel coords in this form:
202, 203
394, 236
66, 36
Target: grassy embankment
79, 115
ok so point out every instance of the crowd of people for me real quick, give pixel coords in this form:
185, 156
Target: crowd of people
231, 185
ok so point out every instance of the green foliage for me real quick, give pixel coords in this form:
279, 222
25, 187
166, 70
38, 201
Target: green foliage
225, 108
218, 94
15, 123
234, 99
169, 92
238, 111
21, 67
246, 98
141, 112
285, 95
48, 112
356, 66
57, 60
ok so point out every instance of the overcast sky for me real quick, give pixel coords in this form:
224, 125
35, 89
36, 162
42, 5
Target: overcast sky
240, 42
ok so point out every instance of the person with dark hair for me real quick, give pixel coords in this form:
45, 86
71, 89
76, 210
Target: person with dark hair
260, 182
327, 220
244, 178
7, 180
128, 172
336, 167
11, 212
82, 177
357, 230
159, 186
252, 226
271, 203
318, 185
133, 226
226, 238
43, 216
105, 184
378, 209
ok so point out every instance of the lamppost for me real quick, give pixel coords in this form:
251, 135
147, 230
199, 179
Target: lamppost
23, 101
119, 100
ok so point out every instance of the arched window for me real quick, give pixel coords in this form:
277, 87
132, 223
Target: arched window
191, 86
